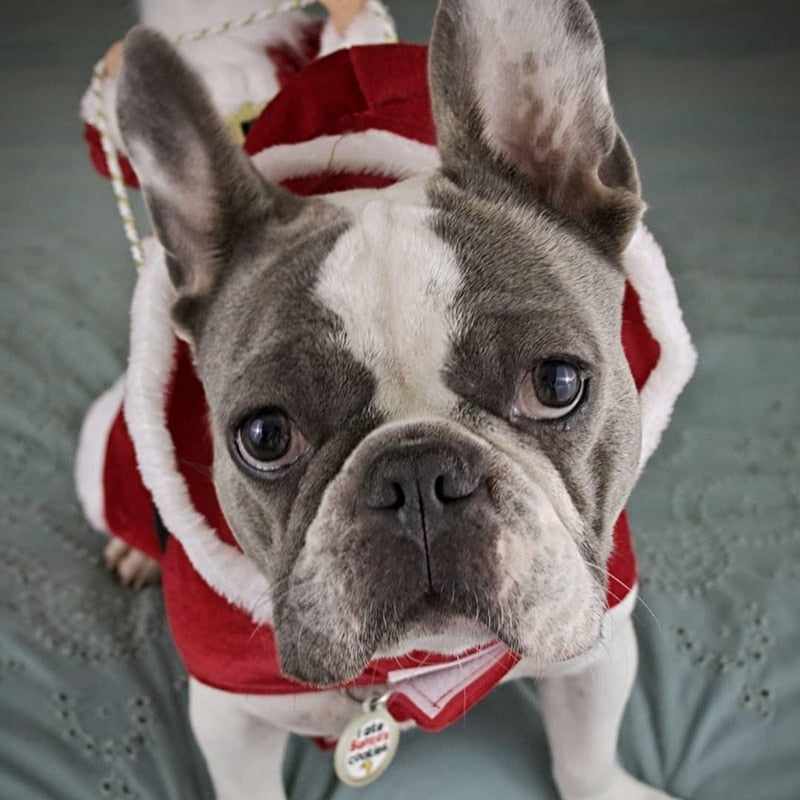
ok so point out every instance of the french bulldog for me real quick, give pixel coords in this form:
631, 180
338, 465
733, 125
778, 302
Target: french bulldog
424, 424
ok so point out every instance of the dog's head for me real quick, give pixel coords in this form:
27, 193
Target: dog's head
423, 420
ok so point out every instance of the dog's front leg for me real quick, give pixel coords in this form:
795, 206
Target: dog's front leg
582, 713
243, 752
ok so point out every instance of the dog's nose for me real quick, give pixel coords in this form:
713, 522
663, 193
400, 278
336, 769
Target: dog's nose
421, 487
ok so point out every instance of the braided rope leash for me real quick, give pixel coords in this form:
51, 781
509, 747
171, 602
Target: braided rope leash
103, 124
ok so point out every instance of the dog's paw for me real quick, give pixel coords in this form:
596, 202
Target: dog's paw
622, 787
132, 566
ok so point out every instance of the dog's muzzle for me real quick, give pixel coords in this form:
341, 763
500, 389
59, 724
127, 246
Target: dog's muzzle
420, 490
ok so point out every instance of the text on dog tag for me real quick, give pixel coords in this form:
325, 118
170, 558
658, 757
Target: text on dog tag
366, 747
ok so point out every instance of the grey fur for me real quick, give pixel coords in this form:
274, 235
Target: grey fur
587, 174
205, 198
533, 288
537, 241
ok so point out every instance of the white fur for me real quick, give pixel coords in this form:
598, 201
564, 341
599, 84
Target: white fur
91, 456
392, 282
374, 152
372, 25
226, 570
647, 271
582, 713
242, 749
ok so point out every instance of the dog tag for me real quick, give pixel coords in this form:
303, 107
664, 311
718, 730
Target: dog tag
367, 746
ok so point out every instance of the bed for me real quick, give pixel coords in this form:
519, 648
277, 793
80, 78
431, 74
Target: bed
92, 694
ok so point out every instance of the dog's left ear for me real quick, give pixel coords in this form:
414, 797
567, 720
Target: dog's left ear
201, 189
519, 97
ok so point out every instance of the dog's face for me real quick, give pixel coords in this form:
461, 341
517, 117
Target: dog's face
423, 419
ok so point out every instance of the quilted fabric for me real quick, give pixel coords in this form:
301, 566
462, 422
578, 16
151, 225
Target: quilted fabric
91, 691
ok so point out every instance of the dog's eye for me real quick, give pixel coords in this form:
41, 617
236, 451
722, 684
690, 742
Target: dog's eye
550, 390
268, 440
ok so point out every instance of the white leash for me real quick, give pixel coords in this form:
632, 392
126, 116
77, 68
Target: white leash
102, 123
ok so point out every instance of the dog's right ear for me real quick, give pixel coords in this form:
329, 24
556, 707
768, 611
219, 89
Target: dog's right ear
201, 189
519, 92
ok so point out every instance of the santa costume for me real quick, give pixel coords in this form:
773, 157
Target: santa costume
359, 117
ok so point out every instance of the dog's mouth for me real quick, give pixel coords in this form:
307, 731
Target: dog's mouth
440, 613
433, 625
441, 622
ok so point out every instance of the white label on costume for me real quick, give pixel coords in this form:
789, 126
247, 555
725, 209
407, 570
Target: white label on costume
366, 747
432, 687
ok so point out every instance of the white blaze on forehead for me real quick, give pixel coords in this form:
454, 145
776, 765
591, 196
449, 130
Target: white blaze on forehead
392, 282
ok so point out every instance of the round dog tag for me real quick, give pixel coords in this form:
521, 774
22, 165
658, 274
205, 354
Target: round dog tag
366, 747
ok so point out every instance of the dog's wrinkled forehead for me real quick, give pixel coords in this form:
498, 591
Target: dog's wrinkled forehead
424, 275
363, 307
392, 282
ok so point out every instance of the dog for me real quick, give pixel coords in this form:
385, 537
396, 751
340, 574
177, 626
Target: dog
423, 423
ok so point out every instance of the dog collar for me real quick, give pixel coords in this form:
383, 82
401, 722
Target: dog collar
432, 695
433, 690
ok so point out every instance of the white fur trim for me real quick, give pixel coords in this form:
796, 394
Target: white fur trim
374, 152
92, 105
226, 570
647, 272
177, 17
91, 454
372, 25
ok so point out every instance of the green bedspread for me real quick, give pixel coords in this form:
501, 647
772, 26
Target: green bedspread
92, 696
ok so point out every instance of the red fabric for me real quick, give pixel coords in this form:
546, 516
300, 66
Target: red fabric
378, 87
621, 564
289, 60
325, 184
98, 158
641, 349
128, 507
219, 643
